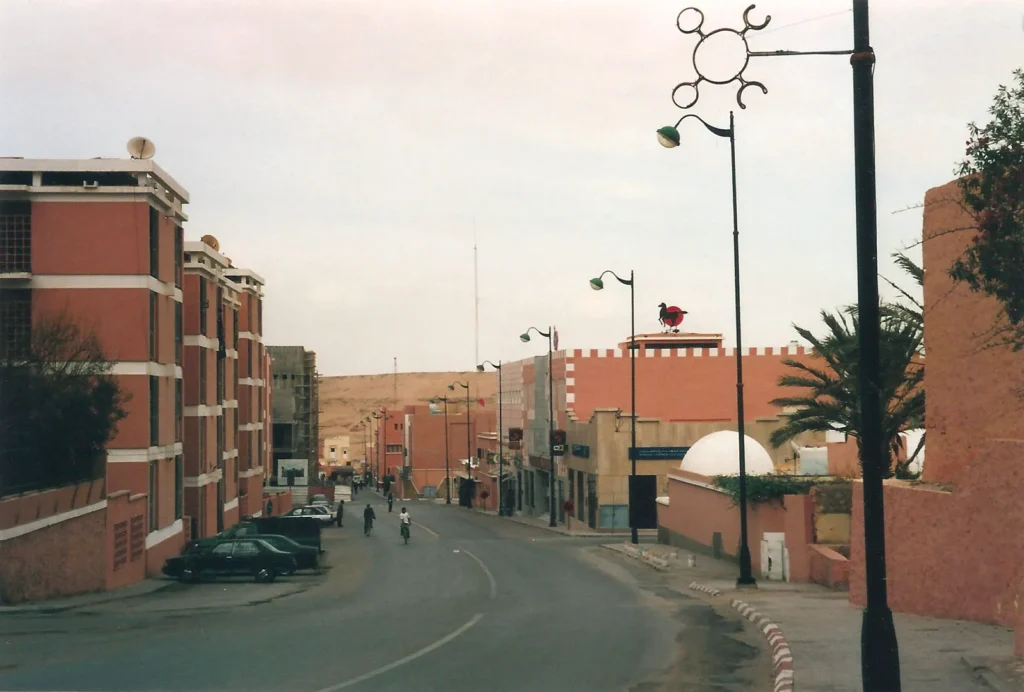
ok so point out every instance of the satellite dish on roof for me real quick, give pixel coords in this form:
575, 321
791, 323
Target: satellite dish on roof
211, 241
141, 148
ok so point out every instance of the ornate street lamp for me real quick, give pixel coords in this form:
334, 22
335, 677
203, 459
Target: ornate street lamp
598, 284
469, 443
880, 663
447, 474
525, 338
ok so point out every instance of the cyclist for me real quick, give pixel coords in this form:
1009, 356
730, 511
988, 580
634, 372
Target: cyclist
368, 517
405, 521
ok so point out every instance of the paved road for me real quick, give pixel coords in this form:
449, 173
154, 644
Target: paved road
473, 601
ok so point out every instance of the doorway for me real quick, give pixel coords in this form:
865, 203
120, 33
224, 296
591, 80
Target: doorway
643, 501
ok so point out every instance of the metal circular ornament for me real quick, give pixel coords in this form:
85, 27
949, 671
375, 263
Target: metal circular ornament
694, 86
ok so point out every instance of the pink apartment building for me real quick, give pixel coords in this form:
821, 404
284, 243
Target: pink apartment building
102, 240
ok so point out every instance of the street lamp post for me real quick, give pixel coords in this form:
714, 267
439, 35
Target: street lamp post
381, 423
373, 436
597, 284
447, 474
525, 338
880, 662
669, 138
501, 432
469, 442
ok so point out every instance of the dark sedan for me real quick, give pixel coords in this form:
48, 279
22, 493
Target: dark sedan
306, 557
244, 556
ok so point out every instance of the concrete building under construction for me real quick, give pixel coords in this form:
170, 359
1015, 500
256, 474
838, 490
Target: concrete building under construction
296, 429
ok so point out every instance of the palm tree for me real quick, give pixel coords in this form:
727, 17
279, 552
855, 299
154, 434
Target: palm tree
831, 400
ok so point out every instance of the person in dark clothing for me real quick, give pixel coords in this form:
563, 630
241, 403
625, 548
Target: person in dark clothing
391, 500
341, 511
270, 508
368, 517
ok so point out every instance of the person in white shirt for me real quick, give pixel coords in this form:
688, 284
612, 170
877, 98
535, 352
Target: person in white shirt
404, 516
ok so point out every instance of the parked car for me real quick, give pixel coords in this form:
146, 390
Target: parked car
305, 533
319, 512
252, 556
306, 557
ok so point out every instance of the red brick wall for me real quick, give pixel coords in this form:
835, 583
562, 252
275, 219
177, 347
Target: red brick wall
952, 554
973, 391
672, 386
59, 560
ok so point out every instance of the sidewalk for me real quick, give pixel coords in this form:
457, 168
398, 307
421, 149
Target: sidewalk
822, 631
579, 527
56, 605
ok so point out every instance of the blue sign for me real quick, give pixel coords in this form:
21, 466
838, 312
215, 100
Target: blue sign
658, 453
581, 451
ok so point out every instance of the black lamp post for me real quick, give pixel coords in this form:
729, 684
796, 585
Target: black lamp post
525, 338
669, 138
469, 443
447, 474
501, 433
381, 425
598, 284
880, 661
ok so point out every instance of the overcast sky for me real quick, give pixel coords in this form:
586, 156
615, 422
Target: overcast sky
349, 150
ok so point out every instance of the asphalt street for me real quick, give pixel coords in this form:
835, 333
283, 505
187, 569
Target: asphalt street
473, 601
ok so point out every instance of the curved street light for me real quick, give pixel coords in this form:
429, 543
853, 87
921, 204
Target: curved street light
669, 138
525, 338
447, 474
469, 444
501, 432
597, 284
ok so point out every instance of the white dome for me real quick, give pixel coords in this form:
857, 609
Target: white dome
717, 454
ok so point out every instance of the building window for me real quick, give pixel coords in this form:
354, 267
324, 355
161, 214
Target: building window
203, 303
152, 495
259, 405
179, 246
154, 243
248, 357
259, 316
15, 237
154, 411
179, 486
179, 335
221, 427
393, 449
15, 322
153, 305
259, 449
234, 331
178, 411
202, 376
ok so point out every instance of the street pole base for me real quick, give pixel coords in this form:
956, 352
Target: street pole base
879, 651
635, 537
748, 583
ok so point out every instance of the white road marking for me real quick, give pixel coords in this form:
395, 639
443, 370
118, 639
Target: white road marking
430, 531
490, 577
402, 661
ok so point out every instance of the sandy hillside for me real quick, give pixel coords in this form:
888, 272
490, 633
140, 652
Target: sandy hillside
344, 401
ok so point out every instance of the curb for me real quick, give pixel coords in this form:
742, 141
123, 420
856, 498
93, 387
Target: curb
982, 671
782, 655
61, 605
644, 556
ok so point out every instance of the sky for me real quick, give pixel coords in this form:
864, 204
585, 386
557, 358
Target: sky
353, 151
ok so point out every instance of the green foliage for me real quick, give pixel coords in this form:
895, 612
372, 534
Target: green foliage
769, 488
834, 498
992, 183
59, 407
831, 397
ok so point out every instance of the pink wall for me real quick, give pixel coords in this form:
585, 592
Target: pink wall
696, 513
952, 554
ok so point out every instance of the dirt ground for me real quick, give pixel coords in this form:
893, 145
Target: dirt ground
344, 401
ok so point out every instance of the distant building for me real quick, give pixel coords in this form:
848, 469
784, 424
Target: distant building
296, 414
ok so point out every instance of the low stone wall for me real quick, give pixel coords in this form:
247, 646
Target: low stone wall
828, 567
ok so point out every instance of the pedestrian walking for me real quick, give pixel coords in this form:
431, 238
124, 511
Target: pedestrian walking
270, 507
341, 511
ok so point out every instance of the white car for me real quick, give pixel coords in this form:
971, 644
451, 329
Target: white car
321, 512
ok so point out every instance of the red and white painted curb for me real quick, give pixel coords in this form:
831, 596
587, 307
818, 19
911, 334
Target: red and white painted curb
782, 655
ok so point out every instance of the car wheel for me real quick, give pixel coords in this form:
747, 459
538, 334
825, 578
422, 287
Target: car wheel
265, 574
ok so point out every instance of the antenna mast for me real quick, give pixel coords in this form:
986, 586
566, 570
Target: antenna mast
476, 300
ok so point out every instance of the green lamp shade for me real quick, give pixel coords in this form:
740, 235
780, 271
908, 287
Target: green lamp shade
597, 284
451, 387
524, 337
668, 137
480, 368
